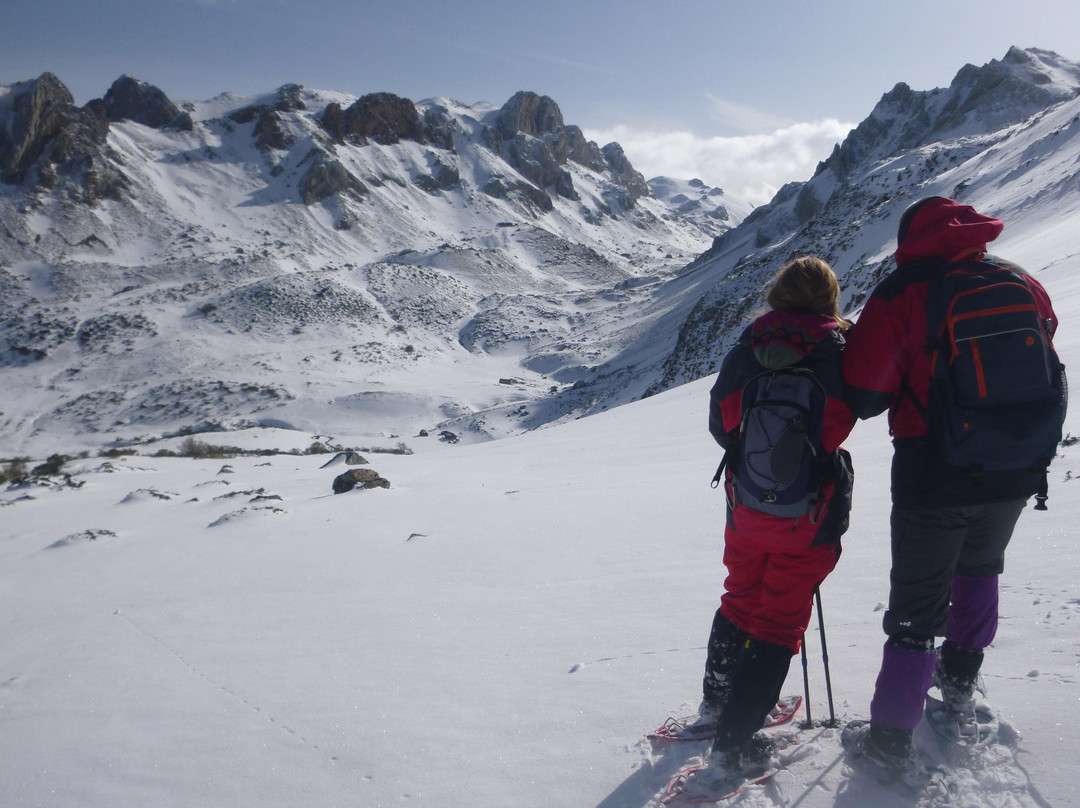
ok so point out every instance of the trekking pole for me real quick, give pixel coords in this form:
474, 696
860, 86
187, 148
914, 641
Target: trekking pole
806, 684
824, 658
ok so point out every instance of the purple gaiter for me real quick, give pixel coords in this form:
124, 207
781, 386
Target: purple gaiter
973, 613
900, 692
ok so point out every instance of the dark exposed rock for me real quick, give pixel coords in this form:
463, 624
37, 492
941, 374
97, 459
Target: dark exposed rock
625, 174
807, 205
529, 131
133, 100
333, 121
382, 117
443, 177
537, 197
84, 132
581, 151
492, 138
113, 333
366, 478
39, 126
246, 114
446, 176
184, 122
28, 336
36, 112
290, 98
268, 122
532, 157
564, 186
349, 458
439, 128
496, 188
531, 114
327, 177
269, 132
80, 153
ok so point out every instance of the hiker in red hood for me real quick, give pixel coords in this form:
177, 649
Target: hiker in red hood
775, 562
950, 526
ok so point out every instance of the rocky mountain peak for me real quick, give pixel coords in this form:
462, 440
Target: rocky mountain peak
529, 130
131, 99
530, 114
381, 117
46, 139
31, 114
979, 99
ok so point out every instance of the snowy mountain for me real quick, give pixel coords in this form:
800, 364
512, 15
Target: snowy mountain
312, 259
702, 203
1004, 137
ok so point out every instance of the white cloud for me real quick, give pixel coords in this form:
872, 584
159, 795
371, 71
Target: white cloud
750, 167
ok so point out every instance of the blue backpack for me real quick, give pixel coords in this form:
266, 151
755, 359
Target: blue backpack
781, 462
997, 388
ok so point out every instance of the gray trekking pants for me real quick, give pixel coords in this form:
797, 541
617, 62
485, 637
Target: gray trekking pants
929, 547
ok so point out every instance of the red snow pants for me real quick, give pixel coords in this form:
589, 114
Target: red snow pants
769, 591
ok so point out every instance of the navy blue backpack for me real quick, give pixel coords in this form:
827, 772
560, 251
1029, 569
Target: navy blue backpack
780, 463
997, 388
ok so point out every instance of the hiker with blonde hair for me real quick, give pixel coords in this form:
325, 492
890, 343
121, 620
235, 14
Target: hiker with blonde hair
777, 408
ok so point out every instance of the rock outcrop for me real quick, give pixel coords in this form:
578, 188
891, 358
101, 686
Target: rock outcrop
530, 114
270, 133
625, 174
530, 131
129, 99
365, 478
326, 177
45, 138
380, 117
31, 115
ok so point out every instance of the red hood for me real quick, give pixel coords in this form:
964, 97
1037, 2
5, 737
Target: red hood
782, 338
943, 228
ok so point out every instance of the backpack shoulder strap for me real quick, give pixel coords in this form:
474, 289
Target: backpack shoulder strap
720, 471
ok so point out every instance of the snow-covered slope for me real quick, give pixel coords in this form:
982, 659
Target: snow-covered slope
502, 626
260, 261
694, 199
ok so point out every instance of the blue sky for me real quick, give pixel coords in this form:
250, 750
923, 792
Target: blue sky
745, 94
